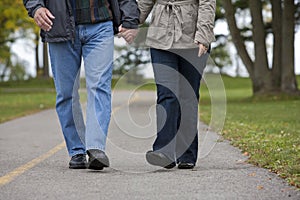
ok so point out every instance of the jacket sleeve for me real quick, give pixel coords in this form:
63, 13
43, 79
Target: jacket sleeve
130, 13
32, 5
206, 22
145, 7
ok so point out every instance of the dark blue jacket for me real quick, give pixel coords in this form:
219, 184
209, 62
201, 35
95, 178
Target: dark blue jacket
125, 12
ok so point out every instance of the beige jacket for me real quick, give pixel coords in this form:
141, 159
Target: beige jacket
178, 23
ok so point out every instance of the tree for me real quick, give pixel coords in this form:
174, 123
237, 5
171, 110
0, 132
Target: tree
14, 24
129, 62
288, 79
219, 53
280, 77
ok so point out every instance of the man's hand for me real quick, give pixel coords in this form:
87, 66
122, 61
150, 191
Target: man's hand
128, 34
202, 50
43, 18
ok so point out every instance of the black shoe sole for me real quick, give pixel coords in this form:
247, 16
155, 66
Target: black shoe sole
186, 166
157, 160
97, 164
77, 166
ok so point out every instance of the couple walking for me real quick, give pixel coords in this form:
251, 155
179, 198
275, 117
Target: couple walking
179, 38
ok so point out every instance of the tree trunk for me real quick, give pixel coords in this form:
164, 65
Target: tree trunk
236, 36
281, 78
6, 67
288, 79
262, 75
45, 61
37, 63
277, 42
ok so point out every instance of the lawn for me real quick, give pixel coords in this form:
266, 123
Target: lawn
20, 98
25, 97
267, 129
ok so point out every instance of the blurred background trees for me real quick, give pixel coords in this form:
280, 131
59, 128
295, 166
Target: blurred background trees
269, 19
16, 25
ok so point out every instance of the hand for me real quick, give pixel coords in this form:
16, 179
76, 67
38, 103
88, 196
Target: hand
43, 18
128, 34
202, 50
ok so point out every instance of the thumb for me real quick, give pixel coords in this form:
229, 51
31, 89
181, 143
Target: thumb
120, 28
200, 52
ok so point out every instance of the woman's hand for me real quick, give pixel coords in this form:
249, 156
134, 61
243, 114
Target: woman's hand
202, 50
128, 34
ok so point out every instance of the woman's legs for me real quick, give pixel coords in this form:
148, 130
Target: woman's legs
177, 74
165, 65
191, 68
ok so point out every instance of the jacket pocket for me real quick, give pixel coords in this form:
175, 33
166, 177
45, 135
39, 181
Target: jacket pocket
189, 15
158, 34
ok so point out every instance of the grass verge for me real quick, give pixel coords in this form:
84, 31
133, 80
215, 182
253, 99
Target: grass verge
267, 129
25, 97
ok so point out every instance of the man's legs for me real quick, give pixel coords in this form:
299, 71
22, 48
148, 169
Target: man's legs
97, 51
65, 62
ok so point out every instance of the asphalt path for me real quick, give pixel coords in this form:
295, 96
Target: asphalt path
34, 162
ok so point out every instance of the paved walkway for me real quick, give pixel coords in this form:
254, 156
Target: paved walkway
34, 163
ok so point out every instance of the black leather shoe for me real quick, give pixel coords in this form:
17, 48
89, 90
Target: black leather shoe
159, 159
97, 159
78, 162
186, 165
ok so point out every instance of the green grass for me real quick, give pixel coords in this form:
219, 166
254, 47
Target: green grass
17, 104
28, 84
122, 84
25, 97
20, 98
267, 128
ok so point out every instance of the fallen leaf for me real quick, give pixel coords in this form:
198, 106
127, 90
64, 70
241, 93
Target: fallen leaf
252, 174
246, 153
260, 187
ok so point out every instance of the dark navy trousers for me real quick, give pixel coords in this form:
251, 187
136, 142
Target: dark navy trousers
177, 73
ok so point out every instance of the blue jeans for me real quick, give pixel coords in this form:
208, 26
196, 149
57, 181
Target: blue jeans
177, 73
94, 43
